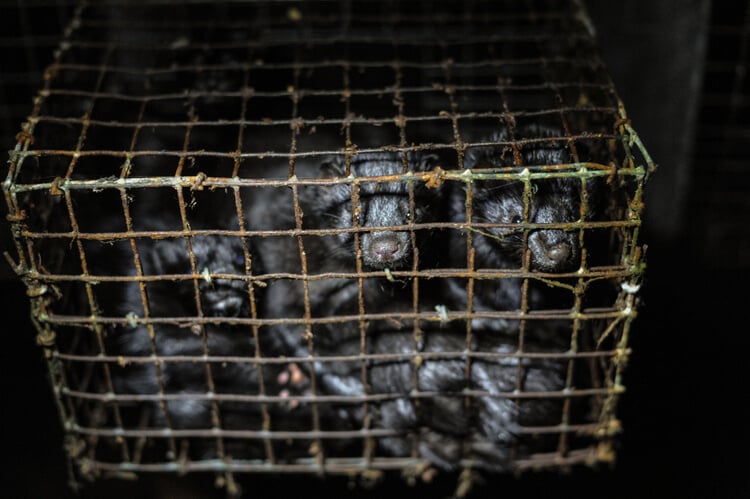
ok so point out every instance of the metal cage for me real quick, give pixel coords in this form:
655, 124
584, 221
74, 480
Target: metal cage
305, 237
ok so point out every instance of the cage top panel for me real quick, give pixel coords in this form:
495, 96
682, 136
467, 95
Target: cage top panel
231, 82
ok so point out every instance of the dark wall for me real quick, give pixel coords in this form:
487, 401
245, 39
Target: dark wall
655, 53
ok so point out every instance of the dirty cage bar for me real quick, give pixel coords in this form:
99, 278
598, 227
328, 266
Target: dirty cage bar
330, 236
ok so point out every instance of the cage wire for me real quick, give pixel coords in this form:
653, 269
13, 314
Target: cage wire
330, 237
26, 48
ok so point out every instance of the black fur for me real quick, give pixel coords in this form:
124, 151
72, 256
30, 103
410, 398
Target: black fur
196, 292
328, 207
382, 204
554, 200
484, 425
488, 429
544, 201
451, 426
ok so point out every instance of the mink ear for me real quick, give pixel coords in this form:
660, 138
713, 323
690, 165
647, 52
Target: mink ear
474, 157
334, 166
427, 162
169, 256
489, 156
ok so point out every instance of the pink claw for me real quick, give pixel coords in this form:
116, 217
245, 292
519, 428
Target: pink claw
297, 374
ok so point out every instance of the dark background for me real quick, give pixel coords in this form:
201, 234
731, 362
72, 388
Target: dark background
681, 70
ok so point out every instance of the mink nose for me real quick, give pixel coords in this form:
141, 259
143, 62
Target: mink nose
230, 306
385, 248
553, 250
223, 302
224, 297
382, 250
558, 253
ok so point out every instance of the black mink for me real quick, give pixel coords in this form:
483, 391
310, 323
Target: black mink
470, 412
488, 430
383, 216
174, 305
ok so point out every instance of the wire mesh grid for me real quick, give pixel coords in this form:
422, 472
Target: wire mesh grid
330, 237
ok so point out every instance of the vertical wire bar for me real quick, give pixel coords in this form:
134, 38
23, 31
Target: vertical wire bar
97, 327
147, 318
369, 444
142, 284
215, 413
508, 120
576, 326
243, 224
401, 119
525, 282
124, 173
394, 19
470, 253
296, 125
356, 207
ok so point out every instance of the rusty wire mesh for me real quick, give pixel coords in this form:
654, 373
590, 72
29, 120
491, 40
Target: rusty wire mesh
169, 216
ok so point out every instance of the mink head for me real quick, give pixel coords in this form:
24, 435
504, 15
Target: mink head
547, 201
553, 201
383, 205
214, 255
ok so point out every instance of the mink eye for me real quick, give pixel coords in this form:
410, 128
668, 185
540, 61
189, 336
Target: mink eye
416, 216
516, 219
